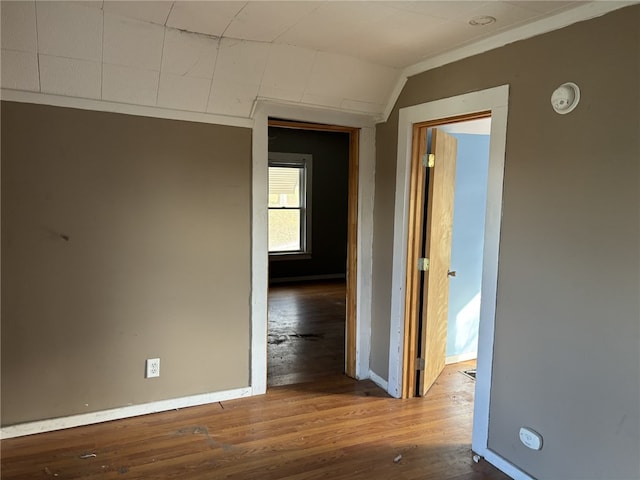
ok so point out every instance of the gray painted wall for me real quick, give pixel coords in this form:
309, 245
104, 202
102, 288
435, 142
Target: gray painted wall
567, 333
155, 263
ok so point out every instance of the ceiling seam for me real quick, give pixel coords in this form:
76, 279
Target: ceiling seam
264, 69
164, 36
169, 13
266, 63
102, 54
306, 83
35, 9
234, 17
291, 27
215, 64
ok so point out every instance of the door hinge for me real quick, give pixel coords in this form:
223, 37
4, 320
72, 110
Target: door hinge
423, 264
428, 160
420, 363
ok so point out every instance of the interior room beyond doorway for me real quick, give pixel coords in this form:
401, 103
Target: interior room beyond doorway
307, 297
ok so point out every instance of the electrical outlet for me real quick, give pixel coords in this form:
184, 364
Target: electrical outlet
530, 438
153, 367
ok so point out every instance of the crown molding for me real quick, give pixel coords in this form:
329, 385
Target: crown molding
321, 114
298, 110
22, 96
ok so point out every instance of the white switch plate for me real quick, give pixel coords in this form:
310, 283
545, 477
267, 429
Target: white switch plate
531, 438
153, 367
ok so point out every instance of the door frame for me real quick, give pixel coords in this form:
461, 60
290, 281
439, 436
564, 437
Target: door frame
418, 205
364, 146
352, 230
494, 100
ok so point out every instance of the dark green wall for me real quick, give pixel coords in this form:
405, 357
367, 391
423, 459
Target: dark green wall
330, 151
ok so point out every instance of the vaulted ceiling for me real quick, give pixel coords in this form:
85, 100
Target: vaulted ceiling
219, 57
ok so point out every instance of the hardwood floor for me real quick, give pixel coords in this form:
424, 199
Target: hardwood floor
306, 331
328, 427
336, 428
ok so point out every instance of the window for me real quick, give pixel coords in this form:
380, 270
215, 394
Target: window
289, 203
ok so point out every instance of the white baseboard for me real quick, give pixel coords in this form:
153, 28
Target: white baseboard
306, 278
463, 357
42, 426
505, 467
378, 380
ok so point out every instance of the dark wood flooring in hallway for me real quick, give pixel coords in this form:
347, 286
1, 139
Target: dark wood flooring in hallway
306, 331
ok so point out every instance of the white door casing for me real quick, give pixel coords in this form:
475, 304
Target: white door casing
495, 100
259, 257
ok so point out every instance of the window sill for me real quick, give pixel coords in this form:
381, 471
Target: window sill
284, 256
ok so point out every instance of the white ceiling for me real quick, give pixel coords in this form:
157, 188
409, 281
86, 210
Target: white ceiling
390, 33
219, 56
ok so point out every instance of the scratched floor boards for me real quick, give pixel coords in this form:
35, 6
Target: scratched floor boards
329, 428
306, 331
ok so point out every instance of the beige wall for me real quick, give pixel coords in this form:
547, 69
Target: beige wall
156, 264
567, 339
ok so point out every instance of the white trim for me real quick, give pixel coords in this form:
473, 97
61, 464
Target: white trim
489, 286
496, 100
42, 426
504, 466
306, 278
378, 380
395, 94
319, 109
364, 280
259, 251
564, 19
463, 357
259, 275
124, 108
312, 113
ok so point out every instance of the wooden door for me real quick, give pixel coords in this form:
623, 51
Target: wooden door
438, 229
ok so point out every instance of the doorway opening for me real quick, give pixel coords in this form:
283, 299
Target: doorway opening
312, 272
470, 200
446, 209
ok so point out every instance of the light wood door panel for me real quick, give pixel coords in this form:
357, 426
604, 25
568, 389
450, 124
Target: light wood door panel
439, 227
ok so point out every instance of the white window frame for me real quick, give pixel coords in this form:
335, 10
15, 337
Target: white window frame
303, 161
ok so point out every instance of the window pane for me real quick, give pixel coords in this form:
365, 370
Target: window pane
284, 230
284, 186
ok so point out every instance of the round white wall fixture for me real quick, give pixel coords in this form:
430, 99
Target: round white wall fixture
565, 98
